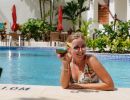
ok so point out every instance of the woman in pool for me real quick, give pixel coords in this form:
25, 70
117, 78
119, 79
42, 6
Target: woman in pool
81, 70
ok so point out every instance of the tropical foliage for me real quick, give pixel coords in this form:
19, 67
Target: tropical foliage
45, 13
72, 11
81, 9
85, 27
36, 29
113, 38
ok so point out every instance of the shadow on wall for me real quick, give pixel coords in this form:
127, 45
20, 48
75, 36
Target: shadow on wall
34, 6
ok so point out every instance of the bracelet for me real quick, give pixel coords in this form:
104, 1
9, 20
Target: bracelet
65, 69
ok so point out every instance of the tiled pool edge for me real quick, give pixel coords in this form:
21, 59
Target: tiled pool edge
25, 48
34, 92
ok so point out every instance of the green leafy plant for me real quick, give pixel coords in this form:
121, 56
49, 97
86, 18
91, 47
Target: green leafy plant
115, 36
85, 28
70, 12
36, 29
91, 44
82, 9
73, 10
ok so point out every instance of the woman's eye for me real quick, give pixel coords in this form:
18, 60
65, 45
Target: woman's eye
83, 46
76, 47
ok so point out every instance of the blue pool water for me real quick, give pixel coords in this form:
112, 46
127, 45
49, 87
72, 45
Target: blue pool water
40, 66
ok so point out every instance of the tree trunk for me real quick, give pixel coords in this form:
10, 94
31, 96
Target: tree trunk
44, 11
80, 21
53, 4
50, 12
40, 8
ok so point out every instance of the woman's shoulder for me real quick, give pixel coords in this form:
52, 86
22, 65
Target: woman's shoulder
90, 57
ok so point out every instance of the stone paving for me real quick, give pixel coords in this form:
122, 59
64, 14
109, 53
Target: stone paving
36, 92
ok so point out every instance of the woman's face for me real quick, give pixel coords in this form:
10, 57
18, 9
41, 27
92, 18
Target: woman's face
78, 48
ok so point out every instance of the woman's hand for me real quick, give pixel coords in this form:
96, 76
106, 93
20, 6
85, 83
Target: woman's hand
75, 86
65, 57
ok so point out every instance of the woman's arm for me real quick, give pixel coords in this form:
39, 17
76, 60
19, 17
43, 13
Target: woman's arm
107, 82
65, 71
65, 74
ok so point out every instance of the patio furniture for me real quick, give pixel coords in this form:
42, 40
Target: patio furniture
2, 27
54, 38
14, 39
2, 30
63, 36
3, 38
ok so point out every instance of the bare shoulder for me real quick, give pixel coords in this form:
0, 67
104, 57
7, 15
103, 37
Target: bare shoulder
93, 62
91, 58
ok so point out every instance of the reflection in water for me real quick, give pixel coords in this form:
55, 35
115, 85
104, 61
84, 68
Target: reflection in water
13, 65
13, 54
19, 54
9, 56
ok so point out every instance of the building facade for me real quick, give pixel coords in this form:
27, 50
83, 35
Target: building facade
104, 11
101, 11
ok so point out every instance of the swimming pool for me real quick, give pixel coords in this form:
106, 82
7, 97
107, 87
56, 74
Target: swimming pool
40, 66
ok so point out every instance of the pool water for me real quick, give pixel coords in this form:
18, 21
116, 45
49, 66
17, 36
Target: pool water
30, 66
40, 66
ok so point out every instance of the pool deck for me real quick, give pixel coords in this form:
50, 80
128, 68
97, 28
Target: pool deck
35, 92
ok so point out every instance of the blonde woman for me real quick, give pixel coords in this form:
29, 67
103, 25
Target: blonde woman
81, 70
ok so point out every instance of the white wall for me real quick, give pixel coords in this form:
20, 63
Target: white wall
25, 9
128, 10
121, 9
112, 10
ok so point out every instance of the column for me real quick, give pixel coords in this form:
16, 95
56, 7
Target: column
112, 9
